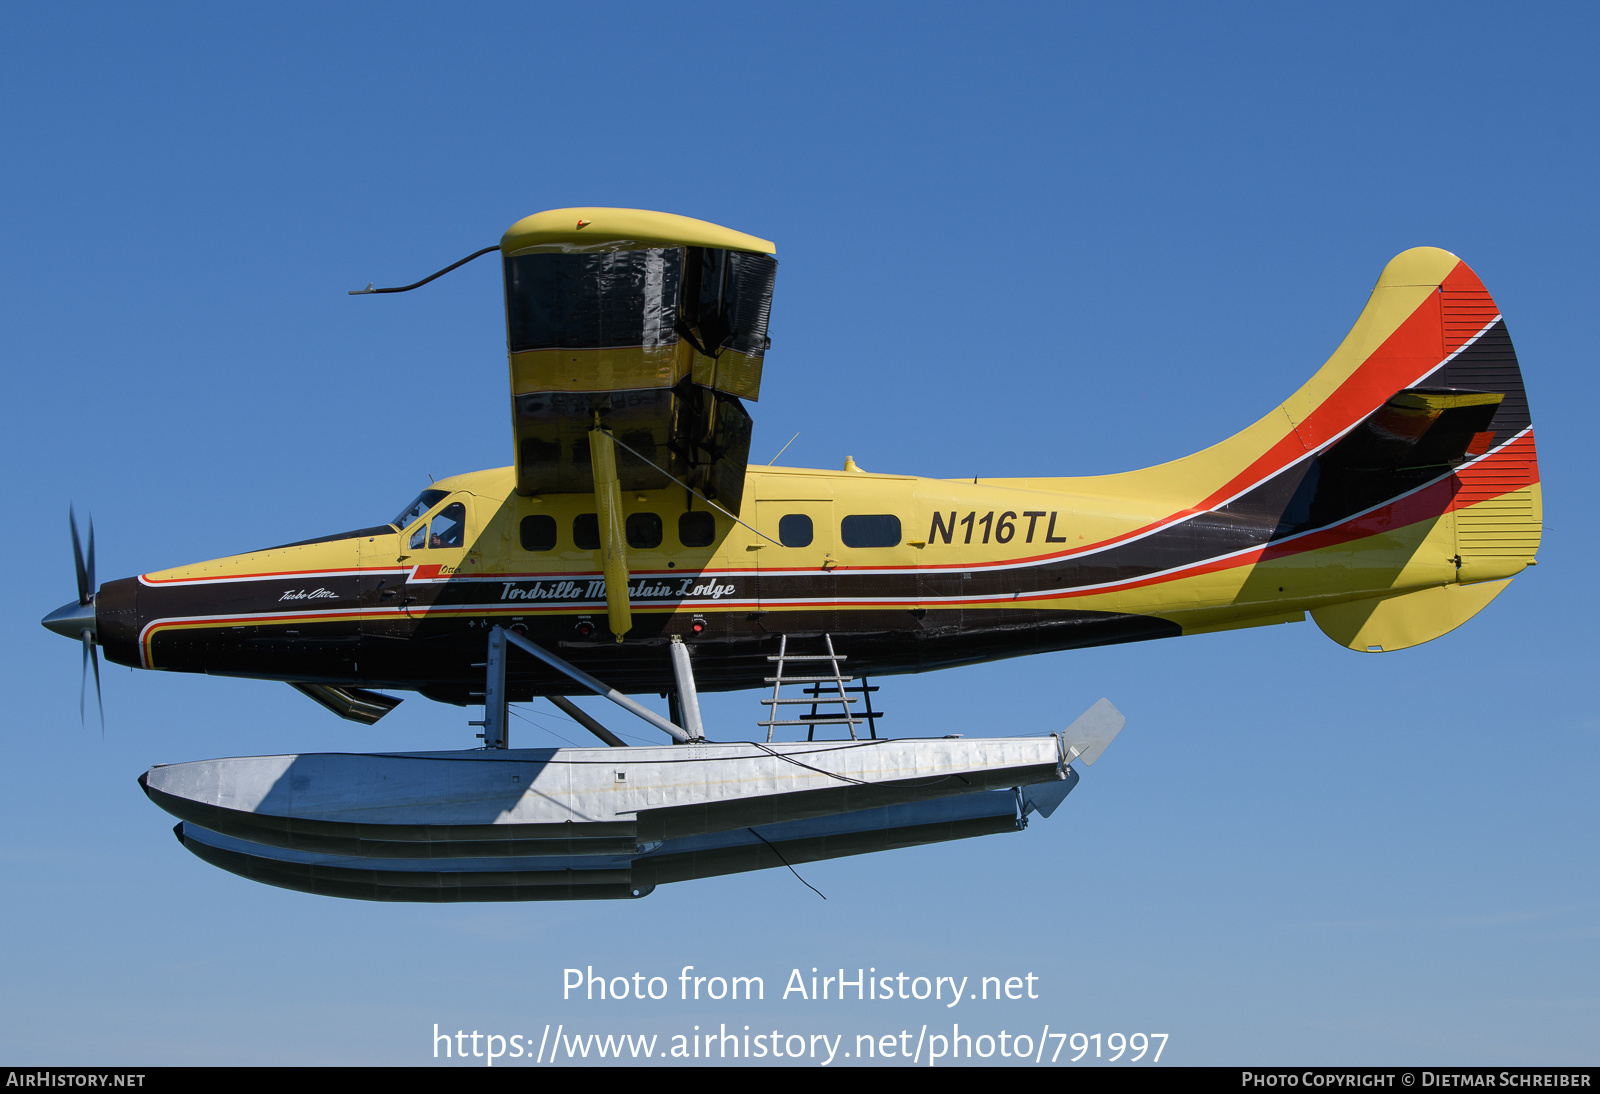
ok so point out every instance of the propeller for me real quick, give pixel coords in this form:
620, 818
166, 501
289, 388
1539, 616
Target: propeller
78, 620
85, 573
86, 591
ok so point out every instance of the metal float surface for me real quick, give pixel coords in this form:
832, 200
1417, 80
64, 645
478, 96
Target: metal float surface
579, 785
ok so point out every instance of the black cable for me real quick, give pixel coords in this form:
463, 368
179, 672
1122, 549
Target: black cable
610, 760
637, 740
808, 767
536, 725
612, 437
407, 288
785, 861
932, 779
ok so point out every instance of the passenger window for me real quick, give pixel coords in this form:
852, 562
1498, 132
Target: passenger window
697, 529
794, 530
644, 530
586, 532
449, 528
538, 533
877, 530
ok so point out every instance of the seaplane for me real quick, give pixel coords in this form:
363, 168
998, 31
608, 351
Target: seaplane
631, 548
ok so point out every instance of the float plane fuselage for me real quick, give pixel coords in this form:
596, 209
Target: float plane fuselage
1391, 498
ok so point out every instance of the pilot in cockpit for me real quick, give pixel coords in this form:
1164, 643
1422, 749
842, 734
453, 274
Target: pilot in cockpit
448, 528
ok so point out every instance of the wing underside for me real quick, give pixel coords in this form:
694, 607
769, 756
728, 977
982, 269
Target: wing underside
654, 341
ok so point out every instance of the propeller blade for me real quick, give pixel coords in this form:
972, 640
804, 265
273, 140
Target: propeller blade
83, 677
94, 660
77, 559
86, 591
90, 657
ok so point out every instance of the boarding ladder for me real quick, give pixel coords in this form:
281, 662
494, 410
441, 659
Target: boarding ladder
827, 690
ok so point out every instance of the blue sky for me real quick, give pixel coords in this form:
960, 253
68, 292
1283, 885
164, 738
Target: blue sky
1015, 239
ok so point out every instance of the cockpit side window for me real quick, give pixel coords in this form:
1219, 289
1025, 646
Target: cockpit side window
424, 501
448, 527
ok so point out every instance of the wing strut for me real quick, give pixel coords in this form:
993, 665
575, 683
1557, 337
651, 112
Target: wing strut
608, 507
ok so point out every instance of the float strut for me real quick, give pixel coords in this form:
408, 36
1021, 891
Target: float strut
688, 698
494, 693
583, 678
578, 714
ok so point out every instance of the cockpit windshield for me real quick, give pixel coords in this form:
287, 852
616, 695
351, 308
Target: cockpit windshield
425, 501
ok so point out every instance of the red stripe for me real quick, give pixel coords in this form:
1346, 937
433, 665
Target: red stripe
1470, 309
1413, 350
1493, 476
331, 570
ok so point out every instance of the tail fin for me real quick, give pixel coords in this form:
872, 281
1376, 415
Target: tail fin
1451, 451
1483, 493
1405, 463
1429, 323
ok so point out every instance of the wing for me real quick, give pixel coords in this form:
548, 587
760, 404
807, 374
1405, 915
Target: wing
649, 326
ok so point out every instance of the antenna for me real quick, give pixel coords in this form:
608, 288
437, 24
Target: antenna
784, 449
407, 288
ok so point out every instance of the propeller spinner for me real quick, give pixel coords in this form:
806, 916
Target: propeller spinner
77, 620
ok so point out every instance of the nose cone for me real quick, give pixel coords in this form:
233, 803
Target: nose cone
71, 620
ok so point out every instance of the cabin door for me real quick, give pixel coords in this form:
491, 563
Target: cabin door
383, 594
796, 585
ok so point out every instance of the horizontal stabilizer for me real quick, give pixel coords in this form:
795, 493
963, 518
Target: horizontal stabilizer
1095, 728
1381, 624
1423, 427
1417, 435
